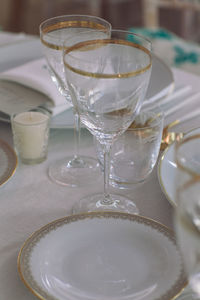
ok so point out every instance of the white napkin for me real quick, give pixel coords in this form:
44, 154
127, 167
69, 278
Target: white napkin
35, 75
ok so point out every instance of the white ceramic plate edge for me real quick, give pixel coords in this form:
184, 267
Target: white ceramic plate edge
175, 290
12, 162
160, 177
163, 159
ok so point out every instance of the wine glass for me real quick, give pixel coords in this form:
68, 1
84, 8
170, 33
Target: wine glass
108, 80
187, 211
75, 170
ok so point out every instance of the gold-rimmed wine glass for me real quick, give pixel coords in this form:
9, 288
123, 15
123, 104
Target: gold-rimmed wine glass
108, 80
76, 170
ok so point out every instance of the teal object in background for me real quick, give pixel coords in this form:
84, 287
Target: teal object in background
153, 33
183, 56
173, 50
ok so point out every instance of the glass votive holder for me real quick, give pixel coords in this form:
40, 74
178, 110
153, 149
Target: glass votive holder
134, 154
30, 134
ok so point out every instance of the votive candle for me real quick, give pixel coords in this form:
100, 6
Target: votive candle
30, 134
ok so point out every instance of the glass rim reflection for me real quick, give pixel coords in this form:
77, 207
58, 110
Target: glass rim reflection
80, 46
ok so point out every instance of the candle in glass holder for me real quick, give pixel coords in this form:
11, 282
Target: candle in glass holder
30, 134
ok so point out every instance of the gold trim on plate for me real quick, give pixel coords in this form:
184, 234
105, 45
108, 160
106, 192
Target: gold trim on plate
24, 256
178, 162
11, 162
160, 166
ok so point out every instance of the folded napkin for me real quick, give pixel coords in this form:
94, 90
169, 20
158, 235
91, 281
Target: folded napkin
35, 75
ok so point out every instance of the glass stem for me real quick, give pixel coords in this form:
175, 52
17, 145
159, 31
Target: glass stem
106, 199
77, 130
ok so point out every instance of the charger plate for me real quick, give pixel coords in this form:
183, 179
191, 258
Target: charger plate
8, 162
102, 256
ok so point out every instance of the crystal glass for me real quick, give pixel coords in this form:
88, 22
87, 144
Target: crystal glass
187, 211
134, 154
108, 80
75, 170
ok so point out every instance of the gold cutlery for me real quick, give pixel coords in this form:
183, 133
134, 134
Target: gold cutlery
169, 137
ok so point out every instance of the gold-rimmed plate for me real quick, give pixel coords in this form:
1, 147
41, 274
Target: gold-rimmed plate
167, 171
102, 256
166, 174
8, 162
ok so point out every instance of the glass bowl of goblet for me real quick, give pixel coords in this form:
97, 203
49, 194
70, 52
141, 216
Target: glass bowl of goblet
75, 170
108, 80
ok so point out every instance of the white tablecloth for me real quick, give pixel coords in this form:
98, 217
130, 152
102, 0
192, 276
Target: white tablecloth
30, 200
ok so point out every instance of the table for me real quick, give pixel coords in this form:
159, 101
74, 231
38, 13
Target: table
30, 200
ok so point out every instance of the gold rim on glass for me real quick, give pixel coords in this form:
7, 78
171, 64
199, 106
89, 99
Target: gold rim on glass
98, 43
69, 24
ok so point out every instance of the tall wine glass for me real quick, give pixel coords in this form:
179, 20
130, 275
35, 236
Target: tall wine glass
75, 170
108, 80
187, 211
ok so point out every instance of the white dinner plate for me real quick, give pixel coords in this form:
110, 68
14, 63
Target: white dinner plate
167, 171
161, 81
102, 256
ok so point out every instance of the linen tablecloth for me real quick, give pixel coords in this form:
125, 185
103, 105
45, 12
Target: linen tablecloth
30, 200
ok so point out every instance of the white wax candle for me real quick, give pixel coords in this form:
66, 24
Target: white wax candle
31, 134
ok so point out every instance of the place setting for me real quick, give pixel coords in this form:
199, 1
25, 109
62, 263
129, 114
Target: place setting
108, 82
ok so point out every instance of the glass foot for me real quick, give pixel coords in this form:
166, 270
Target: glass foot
94, 203
75, 172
